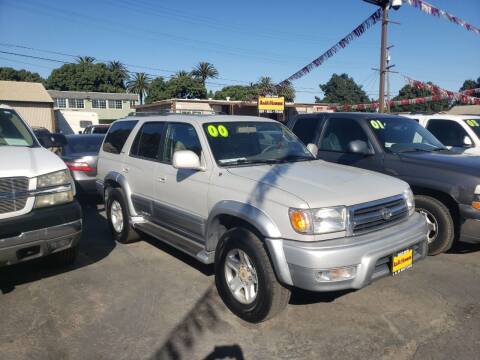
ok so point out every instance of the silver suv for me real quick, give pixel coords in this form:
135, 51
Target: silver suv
245, 194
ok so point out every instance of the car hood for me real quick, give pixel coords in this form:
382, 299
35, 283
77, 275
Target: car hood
466, 164
29, 162
321, 184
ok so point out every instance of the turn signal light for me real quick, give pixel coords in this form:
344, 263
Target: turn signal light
300, 220
476, 205
79, 166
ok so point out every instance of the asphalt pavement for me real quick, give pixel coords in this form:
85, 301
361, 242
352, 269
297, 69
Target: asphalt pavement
148, 301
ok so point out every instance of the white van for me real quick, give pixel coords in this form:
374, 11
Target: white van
460, 133
74, 122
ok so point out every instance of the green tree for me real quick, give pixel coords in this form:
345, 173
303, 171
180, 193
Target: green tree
409, 92
157, 90
471, 84
237, 92
85, 59
204, 71
119, 70
266, 86
342, 89
139, 84
286, 90
11, 74
85, 77
184, 86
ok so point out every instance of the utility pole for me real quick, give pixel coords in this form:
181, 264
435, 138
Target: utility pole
383, 59
385, 5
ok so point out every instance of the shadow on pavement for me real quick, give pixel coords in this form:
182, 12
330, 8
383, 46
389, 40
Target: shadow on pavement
464, 248
206, 315
304, 297
233, 352
96, 243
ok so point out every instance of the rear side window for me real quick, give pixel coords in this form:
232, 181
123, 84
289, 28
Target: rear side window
305, 129
180, 136
450, 133
117, 136
340, 133
147, 142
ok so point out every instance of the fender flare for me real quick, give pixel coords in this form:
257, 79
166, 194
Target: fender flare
122, 181
247, 212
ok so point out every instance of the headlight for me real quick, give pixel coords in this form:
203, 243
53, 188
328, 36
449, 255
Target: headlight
409, 200
54, 199
318, 221
56, 178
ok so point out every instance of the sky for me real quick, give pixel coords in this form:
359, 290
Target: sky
243, 39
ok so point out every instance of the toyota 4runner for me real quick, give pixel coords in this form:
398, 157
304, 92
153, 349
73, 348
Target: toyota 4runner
38, 213
245, 194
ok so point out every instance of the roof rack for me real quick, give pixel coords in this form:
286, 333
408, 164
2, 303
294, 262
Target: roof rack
170, 112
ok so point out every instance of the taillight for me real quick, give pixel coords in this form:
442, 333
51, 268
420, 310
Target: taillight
80, 166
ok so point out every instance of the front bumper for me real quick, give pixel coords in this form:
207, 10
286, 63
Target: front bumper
39, 233
470, 228
297, 263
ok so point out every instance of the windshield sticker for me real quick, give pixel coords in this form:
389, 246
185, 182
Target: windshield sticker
222, 130
246, 130
473, 123
215, 131
377, 124
212, 130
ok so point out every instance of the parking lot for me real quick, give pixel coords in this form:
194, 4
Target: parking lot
147, 300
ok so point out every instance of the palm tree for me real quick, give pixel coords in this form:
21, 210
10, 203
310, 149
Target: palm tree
204, 71
117, 66
286, 90
266, 86
85, 59
182, 73
139, 84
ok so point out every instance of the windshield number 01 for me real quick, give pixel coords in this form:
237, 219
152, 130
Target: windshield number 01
473, 123
377, 124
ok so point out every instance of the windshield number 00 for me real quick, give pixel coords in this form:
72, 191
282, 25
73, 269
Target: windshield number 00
214, 131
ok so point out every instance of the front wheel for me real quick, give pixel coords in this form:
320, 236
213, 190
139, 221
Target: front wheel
245, 278
117, 215
441, 227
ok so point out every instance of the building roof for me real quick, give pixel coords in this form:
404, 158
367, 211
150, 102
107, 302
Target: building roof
91, 95
465, 110
24, 91
220, 102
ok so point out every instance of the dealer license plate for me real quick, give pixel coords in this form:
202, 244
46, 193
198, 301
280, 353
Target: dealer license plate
402, 261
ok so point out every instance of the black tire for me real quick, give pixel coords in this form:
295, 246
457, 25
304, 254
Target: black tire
271, 296
127, 235
443, 219
65, 257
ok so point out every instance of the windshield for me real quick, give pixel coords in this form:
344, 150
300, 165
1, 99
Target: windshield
240, 143
81, 144
474, 124
13, 131
403, 135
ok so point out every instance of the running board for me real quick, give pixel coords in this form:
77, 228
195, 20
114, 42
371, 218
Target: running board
180, 242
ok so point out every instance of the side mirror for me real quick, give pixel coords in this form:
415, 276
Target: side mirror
467, 142
360, 147
186, 159
52, 140
313, 149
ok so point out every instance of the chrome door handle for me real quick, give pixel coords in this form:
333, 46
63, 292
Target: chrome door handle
162, 179
125, 170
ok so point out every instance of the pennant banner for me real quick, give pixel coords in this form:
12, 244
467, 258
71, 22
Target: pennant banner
342, 44
432, 10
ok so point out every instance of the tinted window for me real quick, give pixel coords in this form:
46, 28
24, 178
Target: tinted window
82, 144
117, 136
180, 137
448, 132
340, 133
305, 129
147, 141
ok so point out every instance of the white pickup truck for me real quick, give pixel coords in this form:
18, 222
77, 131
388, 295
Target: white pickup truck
39, 215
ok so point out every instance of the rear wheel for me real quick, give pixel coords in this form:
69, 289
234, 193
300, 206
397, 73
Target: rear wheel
117, 215
245, 278
441, 227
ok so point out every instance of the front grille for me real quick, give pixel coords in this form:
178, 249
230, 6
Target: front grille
13, 194
378, 214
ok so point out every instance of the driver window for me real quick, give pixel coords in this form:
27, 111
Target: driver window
180, 136
339, 133
448, 132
